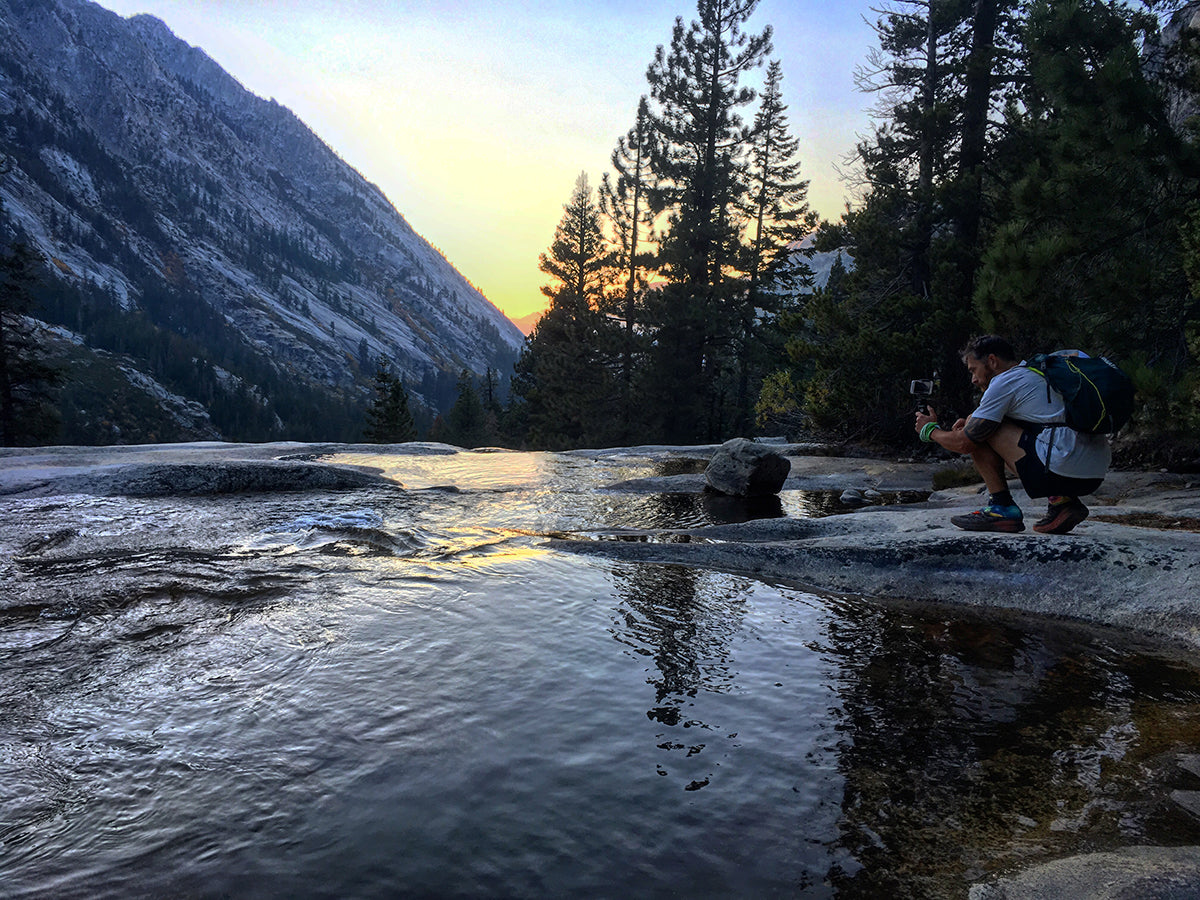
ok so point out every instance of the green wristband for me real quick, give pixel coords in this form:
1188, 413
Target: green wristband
928, 430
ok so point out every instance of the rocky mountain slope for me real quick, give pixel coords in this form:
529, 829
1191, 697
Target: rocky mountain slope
163, 194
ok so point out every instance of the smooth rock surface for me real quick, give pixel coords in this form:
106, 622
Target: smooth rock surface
193, 469
1189, 801
1133, 873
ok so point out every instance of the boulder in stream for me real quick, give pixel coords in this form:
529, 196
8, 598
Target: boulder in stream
742, 468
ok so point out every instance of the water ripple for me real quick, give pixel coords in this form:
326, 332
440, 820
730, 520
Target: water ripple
406, 692
353, 532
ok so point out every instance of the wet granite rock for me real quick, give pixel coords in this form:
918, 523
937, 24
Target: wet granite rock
742, 468
203, 479
1132, 873
197, 469
1110, 571
182, 470
1140, 580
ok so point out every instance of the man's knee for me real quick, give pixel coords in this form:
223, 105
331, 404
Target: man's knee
1005, 442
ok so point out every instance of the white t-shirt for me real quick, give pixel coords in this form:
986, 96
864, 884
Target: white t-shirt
1021, 394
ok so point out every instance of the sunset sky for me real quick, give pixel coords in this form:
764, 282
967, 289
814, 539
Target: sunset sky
475, 118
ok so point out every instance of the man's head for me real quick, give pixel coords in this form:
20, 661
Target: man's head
986, 357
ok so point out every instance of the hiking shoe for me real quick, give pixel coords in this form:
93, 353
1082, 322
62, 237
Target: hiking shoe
1061, 516
992, 518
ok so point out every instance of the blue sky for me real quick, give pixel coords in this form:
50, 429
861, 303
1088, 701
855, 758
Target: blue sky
475, 118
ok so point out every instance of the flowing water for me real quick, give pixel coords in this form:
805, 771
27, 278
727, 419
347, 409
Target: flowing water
395, 693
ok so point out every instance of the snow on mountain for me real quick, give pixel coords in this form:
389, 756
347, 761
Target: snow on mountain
819, 262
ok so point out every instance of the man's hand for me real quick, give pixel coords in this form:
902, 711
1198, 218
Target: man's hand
924, 418
955, 438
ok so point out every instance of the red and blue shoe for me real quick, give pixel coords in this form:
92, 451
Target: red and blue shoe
1062, 514
992, 518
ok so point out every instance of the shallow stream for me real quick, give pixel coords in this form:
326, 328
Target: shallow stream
388, 693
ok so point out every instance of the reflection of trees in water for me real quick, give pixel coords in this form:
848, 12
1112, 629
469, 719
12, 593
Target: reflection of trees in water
965, 747
650, 511
683, 621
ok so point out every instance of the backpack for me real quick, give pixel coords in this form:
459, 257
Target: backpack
1097, 395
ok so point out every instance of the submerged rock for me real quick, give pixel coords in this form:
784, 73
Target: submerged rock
1109, 571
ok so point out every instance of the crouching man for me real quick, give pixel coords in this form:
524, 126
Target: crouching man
1018, 426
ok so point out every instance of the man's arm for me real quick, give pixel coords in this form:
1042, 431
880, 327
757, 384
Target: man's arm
979, 430
964, 437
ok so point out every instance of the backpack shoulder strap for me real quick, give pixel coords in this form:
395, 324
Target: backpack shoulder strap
1037, 363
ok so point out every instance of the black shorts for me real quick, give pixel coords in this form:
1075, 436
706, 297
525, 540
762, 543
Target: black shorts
1039, 481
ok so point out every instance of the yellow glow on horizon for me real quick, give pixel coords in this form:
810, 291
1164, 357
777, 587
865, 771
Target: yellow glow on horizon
475, 117
463, 193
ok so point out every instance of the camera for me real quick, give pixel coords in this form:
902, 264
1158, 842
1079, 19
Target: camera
923, 389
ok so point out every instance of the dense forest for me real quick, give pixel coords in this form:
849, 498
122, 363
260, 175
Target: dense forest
1032, 170
55, 390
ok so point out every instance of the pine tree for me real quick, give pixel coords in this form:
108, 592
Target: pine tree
578, 259
625, 203
365, 364
861, 337
777, 200
1088, 252
776, 207
389, 420
1093, 247
697, 91
793, 397
466, 423
565, 378
943, 69
698, 165
567, 395
911, 146
493, 411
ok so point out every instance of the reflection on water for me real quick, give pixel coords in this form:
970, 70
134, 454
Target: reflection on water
685, 635
815, 504
672, 511
680, 465
950, 750
385, 693
968, 747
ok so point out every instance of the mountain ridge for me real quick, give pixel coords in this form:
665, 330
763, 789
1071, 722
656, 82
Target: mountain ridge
142, 166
